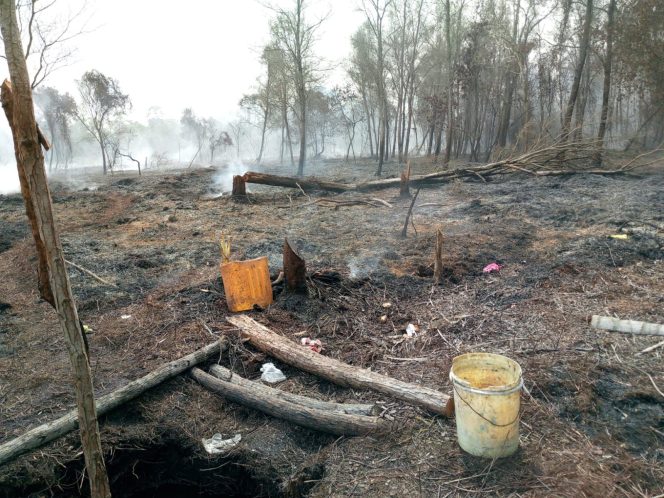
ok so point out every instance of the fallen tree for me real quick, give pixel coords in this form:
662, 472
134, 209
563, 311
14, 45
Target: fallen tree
45, 433
557, 159
336, 371
332, 422
347, 408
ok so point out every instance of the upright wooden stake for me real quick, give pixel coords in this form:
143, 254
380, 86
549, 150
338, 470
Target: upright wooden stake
30, 163
404, 191
438, 258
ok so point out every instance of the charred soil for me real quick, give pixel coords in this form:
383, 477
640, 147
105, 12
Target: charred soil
592, 418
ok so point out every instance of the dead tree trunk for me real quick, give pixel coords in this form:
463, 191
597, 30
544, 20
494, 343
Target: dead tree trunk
30, 161
321, 420
303, 183
336, 371
295, 270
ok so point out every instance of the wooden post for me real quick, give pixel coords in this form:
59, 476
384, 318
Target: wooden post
404, 191
438, 258
295, 270
239, 187
30, 163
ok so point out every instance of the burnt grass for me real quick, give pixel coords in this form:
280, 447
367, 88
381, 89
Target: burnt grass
592, 419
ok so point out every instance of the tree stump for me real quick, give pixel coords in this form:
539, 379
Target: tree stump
239, 188
295, 270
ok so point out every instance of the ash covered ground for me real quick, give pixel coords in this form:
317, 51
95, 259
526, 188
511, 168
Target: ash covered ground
592, 419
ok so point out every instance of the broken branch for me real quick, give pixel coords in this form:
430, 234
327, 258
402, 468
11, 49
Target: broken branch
626, 326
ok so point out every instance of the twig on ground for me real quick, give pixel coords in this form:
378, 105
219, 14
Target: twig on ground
404, 232
93, 275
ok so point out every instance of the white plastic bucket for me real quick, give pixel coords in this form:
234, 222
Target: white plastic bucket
487, 400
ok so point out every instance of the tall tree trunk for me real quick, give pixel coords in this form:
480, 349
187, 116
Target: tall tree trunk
30, 159
578, 72
606, 90
303, 134
450, 82
265, 118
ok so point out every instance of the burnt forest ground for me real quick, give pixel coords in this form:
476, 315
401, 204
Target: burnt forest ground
592, 419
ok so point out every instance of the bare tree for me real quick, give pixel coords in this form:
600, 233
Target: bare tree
295, 36
101, 101
58, 109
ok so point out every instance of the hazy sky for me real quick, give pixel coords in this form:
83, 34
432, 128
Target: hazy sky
196, 53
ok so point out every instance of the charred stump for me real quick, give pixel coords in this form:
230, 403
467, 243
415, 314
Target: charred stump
295, 270
239, 188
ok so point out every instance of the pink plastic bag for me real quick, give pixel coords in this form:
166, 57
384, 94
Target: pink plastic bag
314, 344
491, 267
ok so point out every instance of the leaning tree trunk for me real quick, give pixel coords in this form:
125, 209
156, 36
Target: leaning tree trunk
578, 72
606, 90
30, 160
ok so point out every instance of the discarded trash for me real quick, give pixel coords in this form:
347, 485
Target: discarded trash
619, 236
487, 390
216, 444
491, 267
272, 374
125, 317
383, 318
411, 330
387, 305
314, 344
86, 329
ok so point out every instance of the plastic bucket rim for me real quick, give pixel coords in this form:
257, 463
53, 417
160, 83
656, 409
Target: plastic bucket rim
464, 385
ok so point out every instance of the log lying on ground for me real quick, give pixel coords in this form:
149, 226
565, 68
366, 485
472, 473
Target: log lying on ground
321, 420
626, 326
347, 408
336, 371
302, 183
45, 433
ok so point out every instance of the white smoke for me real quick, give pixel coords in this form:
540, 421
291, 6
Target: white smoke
223, 179
9, 183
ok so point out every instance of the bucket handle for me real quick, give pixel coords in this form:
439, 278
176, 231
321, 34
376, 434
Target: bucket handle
518, 415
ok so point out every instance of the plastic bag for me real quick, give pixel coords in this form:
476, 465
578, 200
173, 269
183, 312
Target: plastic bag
272, 374
216, 444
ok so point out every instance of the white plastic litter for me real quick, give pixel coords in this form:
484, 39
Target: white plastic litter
125, 317
272, 374
216, 444
411, 330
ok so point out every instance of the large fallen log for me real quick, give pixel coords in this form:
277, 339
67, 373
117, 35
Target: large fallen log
45, 433
626, 326
347, 408
321, 420
293, 182
337, 371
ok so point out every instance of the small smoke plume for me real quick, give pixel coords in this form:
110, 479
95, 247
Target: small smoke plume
223, 179
9, 183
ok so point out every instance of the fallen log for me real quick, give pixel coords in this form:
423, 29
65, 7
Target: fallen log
336, 371
626, 326
347, 408
49, 431
299, 183
320, 420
